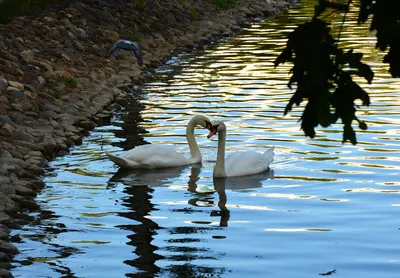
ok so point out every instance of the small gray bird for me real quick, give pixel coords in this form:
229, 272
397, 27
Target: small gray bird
127, 45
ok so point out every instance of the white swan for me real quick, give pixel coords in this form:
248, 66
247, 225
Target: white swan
238, 163
158, 156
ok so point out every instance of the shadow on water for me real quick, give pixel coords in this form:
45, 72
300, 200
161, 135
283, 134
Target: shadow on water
130, 122
139, 186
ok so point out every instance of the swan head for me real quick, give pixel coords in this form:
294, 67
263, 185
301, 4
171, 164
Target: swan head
215, 128
203, 121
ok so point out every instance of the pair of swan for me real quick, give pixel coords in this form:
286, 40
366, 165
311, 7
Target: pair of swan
158, 156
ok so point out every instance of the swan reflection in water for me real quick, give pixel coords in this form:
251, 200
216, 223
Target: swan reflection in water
139, 188
146, 177
241, 183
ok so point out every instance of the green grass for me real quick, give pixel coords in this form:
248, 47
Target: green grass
57, 91
12, 8
224, 4
70, 82
193, 13
141, 4
136, 37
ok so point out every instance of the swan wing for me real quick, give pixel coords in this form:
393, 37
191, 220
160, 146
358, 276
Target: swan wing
247, 163
150, 156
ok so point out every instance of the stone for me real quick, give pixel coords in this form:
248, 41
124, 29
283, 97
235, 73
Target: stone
14, 179
49, 19
87, 124
45, 66
80, 46
6, 188
37, 183
12, 89
8, 248
4, 99
72, 11
3, 84
33, 161
4, 217
16, 198
6, 130
21, 134
5, 228
41, 80
4, 181
21, 163
4, 273
27, 107
28, 204
17, 107
6, 119
35, 153
53, 32
27, 145
35, 169
3, 236
17, 85
6, 204
24, 191
76, 139
113, 37
59, 133
27, 55
80, 33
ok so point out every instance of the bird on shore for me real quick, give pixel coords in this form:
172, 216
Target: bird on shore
129, 46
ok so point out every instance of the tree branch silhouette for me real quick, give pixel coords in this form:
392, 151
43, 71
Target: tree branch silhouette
319, 65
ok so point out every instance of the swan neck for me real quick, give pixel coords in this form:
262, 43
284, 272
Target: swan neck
219, 169
193, 147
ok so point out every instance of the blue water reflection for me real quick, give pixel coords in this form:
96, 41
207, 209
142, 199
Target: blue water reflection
324, 208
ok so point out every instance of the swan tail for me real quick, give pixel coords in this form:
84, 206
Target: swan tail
118, 160
269, 155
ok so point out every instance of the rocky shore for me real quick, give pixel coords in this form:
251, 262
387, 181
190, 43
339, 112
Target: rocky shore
56, 85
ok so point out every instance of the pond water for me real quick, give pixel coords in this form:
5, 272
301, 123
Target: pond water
323, 209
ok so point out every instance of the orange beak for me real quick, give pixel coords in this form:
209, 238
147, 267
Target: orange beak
213, 131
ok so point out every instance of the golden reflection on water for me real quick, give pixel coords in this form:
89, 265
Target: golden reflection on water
97, 242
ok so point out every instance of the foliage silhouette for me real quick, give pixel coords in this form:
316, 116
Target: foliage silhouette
321, 68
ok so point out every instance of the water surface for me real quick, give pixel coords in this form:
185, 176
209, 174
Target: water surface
324, 208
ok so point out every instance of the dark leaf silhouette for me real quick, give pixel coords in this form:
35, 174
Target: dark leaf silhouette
323, 72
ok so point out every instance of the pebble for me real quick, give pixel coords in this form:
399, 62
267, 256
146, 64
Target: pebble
24, 191
8, 248
17, 85
3, 235
5, 273
3, 84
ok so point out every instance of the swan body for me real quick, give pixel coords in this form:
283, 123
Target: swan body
241, 163
159, 156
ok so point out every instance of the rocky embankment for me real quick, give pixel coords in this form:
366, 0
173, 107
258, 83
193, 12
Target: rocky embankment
56, 85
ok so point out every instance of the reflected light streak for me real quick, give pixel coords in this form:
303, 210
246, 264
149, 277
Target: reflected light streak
286, 196
248, 207
371, 190
297, 230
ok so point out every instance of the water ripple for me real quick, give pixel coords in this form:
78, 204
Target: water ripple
323, 206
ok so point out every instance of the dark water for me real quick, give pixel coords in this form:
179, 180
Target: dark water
325, 208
